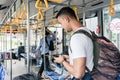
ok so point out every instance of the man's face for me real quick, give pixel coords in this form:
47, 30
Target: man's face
64, 21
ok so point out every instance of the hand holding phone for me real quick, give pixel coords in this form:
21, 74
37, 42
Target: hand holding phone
59, 59
53, 56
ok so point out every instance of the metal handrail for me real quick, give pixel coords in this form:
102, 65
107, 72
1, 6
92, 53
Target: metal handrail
8, 11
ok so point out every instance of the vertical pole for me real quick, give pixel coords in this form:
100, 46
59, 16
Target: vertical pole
36, 37
100, 21
117, 40
64, 41
44, 42
84, 16
28, 39
6, 50
110, 32
2, 41
24, 34
84, 13
10, 53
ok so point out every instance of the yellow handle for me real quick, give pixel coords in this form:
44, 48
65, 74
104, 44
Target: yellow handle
76, 11
38, 5
111, 10
59, 1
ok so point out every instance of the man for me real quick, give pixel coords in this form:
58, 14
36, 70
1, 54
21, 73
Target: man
43, 49
80, 48
21, 49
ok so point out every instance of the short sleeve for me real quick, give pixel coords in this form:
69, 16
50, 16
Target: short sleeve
78, 45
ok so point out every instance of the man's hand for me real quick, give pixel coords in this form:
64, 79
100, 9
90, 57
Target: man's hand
59, 59
66, 57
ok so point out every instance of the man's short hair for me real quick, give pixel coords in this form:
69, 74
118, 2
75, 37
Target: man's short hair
66, 11
20, 43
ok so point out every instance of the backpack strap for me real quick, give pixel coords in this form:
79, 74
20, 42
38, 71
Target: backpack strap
85, 32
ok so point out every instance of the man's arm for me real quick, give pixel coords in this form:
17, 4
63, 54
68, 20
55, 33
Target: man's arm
37, 52
40, 45
66, 57
78, 67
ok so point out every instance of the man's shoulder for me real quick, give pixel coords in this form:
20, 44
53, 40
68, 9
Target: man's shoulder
80, 37
21, 47
77, 35
80, 34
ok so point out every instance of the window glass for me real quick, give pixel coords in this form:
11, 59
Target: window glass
107, 23
92, 23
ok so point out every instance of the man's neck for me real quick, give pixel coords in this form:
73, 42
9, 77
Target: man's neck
76, 25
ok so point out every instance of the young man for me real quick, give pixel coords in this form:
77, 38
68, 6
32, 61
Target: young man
80, 48
43, 49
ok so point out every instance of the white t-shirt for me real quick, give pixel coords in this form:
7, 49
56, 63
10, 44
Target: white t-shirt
81, 46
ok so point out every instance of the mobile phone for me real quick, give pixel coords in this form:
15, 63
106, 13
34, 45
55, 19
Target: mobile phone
53, 56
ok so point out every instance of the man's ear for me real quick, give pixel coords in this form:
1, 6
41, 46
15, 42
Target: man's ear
66, 18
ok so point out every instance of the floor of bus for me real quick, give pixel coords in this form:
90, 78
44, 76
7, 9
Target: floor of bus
18, 68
